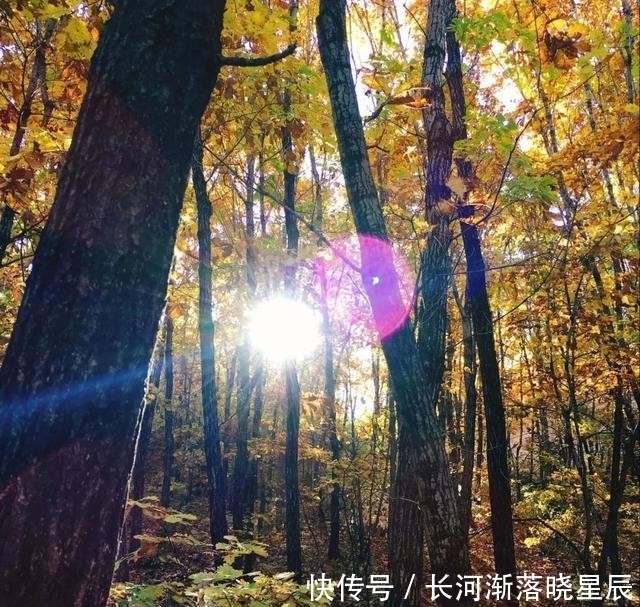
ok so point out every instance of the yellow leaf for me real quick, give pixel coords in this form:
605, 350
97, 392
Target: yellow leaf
445, 208
372, 82
457, 185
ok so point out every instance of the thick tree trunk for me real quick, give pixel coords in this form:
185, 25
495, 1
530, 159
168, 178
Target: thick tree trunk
72, 381
169, 444
497, 446
414, 398
212, 448
406, 530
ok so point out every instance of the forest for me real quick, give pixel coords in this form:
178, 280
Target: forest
319, 302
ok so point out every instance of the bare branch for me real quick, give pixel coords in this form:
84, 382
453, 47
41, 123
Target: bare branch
258, 61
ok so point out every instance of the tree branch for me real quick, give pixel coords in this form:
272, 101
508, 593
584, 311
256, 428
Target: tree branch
258, 61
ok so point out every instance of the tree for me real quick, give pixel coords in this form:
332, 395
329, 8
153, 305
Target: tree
482, 321
69, 414
447, 548
330, 405
212, 447
132, 525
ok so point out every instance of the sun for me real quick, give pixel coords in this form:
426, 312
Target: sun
284, 329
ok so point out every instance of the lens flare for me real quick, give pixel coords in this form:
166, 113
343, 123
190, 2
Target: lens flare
347, 301
284, 329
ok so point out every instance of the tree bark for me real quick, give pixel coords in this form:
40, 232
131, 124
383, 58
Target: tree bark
414, 397
406, 529
470, 415
213, 451
73, 376
497, 446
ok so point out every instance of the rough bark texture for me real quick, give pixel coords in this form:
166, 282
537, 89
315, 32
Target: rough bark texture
406, 529
68, 413
212, 448
447, 549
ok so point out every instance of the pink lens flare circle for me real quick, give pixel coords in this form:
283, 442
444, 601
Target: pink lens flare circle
347, 300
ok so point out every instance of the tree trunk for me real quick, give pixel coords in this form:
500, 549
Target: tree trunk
406, 534
230, 382
241, 463
330, 404
133, 523
169, 444
497, 446
256, 423
212, 448
36, 81
6, 224
470, 415
413, 396
72, 381
292, 388
239, 503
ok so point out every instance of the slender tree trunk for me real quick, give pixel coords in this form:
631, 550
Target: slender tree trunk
470, 415
133, 523
212, 447
482, 321
497, 446
241, 463
169, 443
621, 460
393, 441
6, 224
256, 424
414, 397
239, 504
37, 80
480, 450
72, 381
330, 407
292, 388
230, 382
